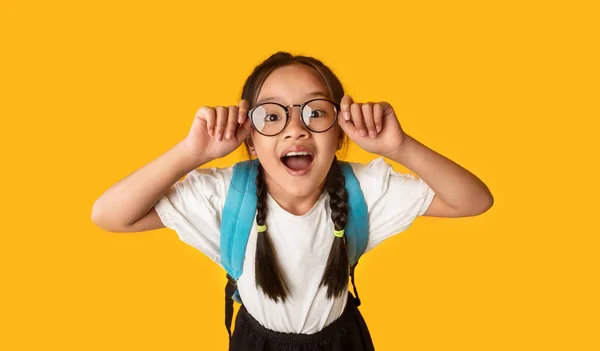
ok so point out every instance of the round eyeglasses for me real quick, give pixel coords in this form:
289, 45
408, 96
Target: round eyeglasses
271, 118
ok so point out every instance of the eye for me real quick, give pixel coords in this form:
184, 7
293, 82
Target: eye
317, 113
271, 117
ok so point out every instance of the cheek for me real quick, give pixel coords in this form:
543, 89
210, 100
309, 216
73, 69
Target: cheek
263, 146
330, 141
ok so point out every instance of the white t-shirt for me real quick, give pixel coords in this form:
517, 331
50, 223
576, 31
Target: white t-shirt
193, 208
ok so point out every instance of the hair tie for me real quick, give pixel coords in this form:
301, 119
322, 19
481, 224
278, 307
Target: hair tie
261, 228
339, 233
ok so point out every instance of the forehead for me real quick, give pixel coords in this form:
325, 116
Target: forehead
292, 84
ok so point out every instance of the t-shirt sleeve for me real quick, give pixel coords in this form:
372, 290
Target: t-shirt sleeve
394, 199
193, 208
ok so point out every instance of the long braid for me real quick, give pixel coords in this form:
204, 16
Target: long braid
335, 276
268, 274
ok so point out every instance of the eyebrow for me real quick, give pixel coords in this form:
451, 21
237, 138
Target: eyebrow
277, 99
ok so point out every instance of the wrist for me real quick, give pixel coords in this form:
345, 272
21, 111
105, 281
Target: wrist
400, 152
189, 158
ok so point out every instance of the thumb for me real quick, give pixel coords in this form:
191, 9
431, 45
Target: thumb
243, 130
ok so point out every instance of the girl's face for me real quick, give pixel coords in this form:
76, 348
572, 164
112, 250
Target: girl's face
296, 176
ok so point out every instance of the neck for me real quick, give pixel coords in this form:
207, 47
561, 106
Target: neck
296, 205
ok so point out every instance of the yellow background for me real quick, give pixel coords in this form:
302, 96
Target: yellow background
91, 91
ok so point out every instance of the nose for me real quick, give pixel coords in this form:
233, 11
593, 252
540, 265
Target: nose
295, 128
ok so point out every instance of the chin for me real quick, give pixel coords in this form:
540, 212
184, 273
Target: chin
303, 186
300, 190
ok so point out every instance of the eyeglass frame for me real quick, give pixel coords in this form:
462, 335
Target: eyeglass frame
287, 115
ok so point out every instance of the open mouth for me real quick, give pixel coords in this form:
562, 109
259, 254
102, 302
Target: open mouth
297, 161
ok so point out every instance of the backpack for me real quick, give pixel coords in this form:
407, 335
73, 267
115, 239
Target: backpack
238, 217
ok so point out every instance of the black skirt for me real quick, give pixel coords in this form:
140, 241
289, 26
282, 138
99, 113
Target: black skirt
347, 333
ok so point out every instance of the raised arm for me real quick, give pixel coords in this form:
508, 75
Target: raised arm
458, 192
128, 206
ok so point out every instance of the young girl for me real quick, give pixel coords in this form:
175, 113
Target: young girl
293, 117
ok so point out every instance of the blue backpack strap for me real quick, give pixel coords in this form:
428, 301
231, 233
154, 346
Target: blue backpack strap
236, 222
238, 216
357, 227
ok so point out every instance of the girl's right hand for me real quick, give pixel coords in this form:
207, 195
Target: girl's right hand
218, 131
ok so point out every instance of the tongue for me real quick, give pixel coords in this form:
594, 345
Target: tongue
297, 163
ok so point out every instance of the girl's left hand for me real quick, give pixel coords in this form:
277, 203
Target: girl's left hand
373, 126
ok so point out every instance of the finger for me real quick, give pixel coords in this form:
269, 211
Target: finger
244, 106
378, 117
347, 126
357, 119
244, 130
367, 110
208, 114
221, 121
345, 106
231, 122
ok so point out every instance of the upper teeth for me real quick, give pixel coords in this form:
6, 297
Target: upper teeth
298, 153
